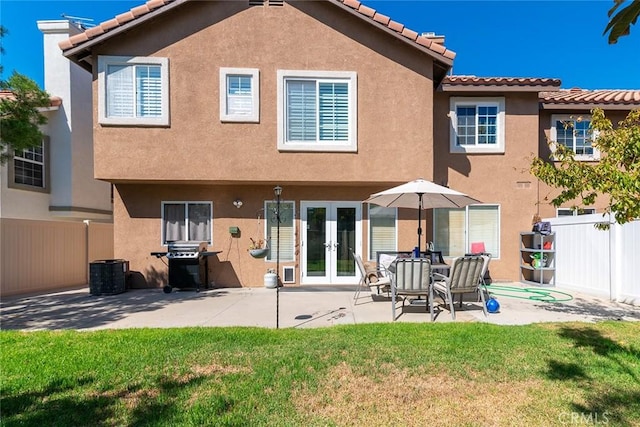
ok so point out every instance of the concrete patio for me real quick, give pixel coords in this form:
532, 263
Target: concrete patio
296, 307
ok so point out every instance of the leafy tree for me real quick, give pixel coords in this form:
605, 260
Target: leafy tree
620, 24
20, 117
616, 175
3, 32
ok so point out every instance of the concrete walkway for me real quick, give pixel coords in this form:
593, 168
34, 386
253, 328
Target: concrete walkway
294, 307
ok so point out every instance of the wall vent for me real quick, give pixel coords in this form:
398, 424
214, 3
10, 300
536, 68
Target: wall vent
276, 2
288, 275
256, 2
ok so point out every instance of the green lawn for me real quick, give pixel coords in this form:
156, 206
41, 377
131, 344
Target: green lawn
365, 375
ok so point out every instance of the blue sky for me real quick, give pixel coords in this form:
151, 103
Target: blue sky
509, 38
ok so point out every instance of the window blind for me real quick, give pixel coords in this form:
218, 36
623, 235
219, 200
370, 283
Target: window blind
301, 110
382, 230
239, 95
287, 235
119, 91
483, 227
334, 111
149, 91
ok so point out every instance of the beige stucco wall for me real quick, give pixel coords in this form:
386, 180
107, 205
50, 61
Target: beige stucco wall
501, 179
547, 193
394, 112
199, 158
137, 227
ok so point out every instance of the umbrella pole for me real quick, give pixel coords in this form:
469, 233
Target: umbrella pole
419, 221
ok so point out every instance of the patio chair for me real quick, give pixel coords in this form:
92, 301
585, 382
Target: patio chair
411, 278
465, 277
370, 278
486, 258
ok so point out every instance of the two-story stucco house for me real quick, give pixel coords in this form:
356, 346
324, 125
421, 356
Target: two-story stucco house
201, 108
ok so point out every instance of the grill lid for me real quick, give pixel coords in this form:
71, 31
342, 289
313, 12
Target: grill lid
184, 246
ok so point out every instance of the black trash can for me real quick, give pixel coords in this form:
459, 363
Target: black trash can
108, 276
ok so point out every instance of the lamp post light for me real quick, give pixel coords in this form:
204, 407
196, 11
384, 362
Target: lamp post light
277, 190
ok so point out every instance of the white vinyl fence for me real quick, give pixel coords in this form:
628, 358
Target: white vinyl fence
603, 263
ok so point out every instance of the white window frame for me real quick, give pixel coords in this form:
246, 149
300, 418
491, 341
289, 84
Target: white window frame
499, 146
273, 244
351, 145
372, 253
44, 163
575, 211
186, 204
468, 240
254, 75
553, 134
104, 62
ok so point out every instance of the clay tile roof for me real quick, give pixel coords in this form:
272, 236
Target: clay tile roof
399, 28
116, 22
55, 101
576, 97
500, 81
366, 12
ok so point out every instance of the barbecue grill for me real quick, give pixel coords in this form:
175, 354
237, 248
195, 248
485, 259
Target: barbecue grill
188, 265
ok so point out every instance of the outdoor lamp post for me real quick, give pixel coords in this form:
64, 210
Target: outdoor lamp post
277, 190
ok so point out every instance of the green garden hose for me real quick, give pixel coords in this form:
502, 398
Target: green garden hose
535, 294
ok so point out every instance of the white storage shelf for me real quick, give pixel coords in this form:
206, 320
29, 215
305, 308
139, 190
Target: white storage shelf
543, 274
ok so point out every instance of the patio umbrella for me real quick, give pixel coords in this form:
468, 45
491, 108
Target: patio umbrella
420, 194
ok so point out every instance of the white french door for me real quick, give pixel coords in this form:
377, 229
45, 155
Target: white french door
330, 231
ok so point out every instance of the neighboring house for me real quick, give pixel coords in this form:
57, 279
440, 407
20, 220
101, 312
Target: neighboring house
46, 188
487, 131
201, 105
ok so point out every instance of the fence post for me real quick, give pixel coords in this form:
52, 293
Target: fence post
616, 245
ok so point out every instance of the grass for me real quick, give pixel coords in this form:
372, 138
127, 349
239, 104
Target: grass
379, 374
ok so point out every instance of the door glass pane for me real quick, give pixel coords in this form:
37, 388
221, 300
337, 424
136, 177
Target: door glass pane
316, 239
449, 231
345, 241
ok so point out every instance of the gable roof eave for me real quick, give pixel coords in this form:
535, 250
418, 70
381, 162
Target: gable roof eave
410, 37
79, 48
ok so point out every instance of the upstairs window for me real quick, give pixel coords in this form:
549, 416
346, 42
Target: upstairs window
477, 125
239, 95
133, 91
28, 168
574, 132
317, 111
574, 211
187, 221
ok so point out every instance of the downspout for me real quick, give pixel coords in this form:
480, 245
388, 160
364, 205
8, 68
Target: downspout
86, 223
